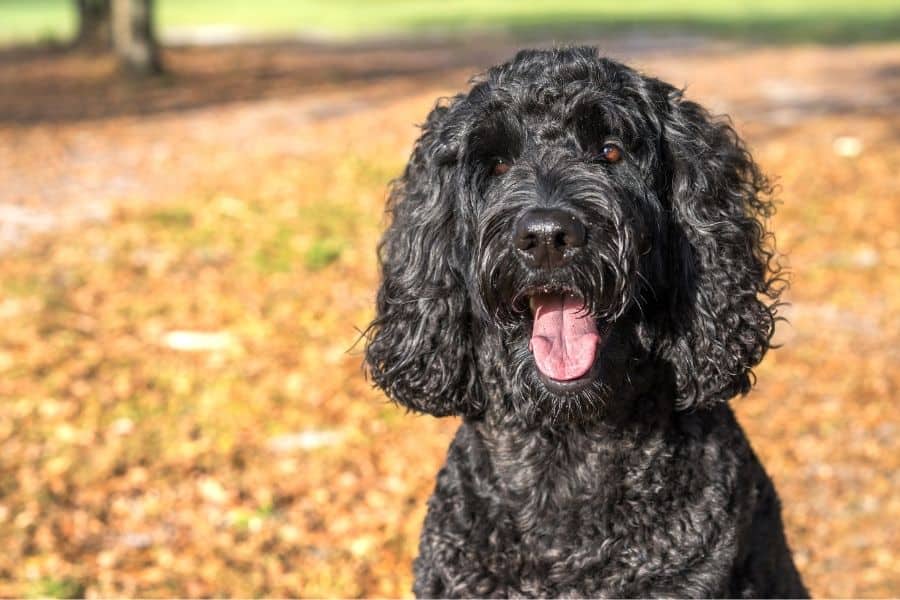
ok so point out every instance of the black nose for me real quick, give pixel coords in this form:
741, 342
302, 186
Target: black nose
548, 237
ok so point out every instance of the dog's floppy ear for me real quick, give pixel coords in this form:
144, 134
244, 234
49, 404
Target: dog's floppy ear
420, 350
724, 282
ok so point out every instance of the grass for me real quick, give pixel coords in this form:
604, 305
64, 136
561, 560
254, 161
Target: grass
30, 21
322, 253
790, 20
177, 217
57, 588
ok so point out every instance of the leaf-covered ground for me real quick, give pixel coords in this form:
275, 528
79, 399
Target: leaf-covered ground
187, 265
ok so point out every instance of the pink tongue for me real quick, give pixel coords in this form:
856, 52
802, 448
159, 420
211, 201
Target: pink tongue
564, 339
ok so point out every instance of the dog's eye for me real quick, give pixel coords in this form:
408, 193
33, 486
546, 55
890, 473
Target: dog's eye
500, 167
611, 152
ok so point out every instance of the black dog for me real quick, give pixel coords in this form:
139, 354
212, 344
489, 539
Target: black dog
578, 265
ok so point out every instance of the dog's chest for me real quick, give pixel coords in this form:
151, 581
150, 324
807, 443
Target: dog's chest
589, 518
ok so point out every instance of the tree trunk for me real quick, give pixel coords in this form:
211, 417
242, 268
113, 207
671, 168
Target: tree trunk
134, 38
94, 25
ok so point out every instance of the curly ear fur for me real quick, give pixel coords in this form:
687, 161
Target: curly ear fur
420, 350
725, 295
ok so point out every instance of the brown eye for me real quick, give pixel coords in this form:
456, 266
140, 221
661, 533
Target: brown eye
611, 152
500, 167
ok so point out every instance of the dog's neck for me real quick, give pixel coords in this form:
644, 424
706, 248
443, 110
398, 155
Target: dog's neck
571, 460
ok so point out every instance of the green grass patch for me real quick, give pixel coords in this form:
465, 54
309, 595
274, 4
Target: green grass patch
330, 216
21, 286
37, 21
277, 254
49, 587
770, 20
323, 252
175, 218
367, 17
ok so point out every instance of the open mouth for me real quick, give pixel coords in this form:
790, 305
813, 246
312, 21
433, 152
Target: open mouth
564, 337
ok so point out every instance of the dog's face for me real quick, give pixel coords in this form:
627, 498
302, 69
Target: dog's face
565, 209
568, 233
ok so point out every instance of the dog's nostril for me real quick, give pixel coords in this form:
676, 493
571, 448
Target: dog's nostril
527, 241
547, 236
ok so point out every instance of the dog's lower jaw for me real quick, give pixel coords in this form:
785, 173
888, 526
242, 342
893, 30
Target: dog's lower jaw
623, 385
605, 511
571, 386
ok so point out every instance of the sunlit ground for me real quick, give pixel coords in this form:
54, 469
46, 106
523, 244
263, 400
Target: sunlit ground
140, 458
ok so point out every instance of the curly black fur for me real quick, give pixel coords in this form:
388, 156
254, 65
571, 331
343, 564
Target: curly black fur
639, 481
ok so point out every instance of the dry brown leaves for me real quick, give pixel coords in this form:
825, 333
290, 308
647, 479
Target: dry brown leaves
182, 407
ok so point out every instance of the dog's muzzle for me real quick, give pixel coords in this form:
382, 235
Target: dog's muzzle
564, 337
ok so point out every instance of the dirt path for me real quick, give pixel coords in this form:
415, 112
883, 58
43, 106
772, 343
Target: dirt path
74, 139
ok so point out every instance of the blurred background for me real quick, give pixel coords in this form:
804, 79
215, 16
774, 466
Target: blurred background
191, 192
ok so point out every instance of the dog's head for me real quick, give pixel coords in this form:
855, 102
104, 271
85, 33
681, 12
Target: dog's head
568, 232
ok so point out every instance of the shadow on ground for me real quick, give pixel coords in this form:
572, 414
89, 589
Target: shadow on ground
63, 86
